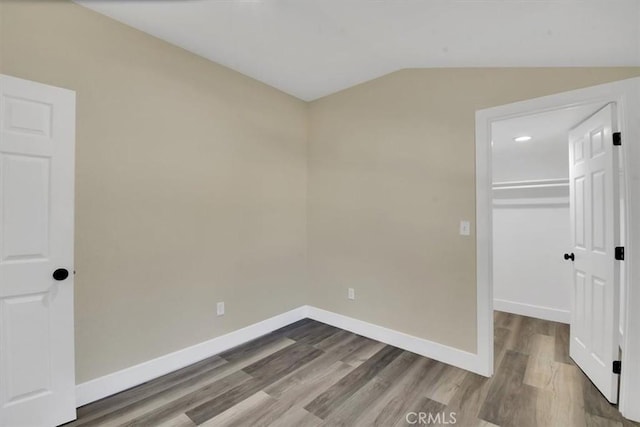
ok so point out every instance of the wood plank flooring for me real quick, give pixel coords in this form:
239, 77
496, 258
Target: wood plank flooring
312, 374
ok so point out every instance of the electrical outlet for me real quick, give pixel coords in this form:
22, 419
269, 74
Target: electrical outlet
220, 309
465, 228
351, 294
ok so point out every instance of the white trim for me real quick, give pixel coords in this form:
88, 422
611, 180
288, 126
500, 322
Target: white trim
452, 356
484, 240
630, 127
116, 382
107, 385
626, 95
537, 311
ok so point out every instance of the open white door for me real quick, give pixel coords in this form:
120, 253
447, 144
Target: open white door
594, 222
37, 139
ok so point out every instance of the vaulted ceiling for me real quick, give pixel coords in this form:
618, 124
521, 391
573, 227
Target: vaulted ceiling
311, 48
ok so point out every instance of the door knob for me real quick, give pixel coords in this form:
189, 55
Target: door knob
61, 274
571, 257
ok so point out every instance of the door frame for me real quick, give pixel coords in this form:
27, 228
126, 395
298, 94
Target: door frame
626, 95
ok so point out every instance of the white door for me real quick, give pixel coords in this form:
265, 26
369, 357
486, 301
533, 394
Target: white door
37, 138
595, 234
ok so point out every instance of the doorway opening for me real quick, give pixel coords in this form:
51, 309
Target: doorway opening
551, 198
620, 96
531, 213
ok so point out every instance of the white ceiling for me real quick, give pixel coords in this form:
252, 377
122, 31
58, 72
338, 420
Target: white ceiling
546, 155
551, 125
311, 48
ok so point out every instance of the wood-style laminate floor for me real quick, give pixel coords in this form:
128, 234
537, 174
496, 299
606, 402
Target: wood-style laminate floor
312, 374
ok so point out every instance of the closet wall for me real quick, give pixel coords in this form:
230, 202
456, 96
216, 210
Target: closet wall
531, 223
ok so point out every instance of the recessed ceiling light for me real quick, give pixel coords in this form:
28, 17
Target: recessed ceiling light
523, 138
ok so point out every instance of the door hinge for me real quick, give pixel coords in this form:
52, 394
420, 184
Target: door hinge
617, 138
617, 366
619, 253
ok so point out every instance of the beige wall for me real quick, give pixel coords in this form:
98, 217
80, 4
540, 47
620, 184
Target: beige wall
391, 174
192, 188
191, 185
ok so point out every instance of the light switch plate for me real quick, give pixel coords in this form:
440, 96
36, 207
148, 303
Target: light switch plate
465, 228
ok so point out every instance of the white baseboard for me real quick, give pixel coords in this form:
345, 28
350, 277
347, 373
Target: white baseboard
452, 356
540, 312
116, 382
